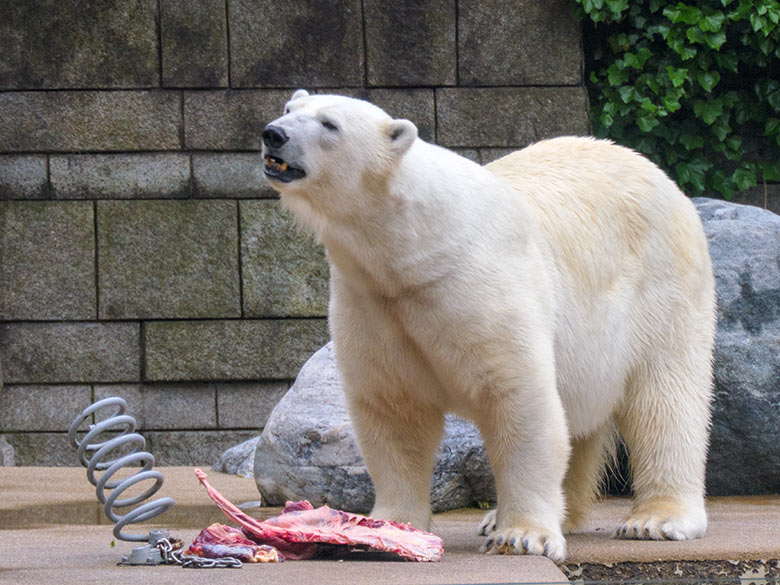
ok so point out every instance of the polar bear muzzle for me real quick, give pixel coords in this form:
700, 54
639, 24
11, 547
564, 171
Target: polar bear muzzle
276, 168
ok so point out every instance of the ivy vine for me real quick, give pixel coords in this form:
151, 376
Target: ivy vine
693, 85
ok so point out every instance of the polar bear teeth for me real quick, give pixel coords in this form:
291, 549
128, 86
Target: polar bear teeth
275, 164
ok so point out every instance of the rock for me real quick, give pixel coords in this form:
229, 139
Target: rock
745, 247
307, 449
238, 460
6, 453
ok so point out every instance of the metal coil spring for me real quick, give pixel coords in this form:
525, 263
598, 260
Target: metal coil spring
100, 449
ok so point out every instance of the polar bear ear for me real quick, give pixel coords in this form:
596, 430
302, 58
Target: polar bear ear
402, 134
301, 93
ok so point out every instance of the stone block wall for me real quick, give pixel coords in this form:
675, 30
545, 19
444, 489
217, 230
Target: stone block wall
141, 253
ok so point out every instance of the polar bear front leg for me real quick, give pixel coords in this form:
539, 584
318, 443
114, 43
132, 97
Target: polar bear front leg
527, 443
398, 439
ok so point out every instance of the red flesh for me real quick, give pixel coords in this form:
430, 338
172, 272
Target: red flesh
218, 541
299, 530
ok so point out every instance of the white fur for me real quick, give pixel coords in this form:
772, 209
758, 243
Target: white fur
551, 296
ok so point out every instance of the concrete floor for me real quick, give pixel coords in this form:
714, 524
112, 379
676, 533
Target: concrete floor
52, 530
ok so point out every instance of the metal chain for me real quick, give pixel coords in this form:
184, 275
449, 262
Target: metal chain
177, 557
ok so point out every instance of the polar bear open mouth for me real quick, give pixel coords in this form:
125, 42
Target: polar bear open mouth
279, 170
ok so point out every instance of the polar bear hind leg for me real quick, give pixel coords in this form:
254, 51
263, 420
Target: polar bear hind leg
664, 424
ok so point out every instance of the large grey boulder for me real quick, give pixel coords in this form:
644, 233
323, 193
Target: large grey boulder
745, 248
307, 449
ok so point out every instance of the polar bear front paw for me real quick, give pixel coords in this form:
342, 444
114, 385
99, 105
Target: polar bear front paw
519, 541
488, 524
663, 522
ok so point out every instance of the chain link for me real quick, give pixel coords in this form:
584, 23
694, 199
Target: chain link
174, 555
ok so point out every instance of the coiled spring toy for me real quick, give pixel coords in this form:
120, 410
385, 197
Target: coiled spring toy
159, 548
97, 460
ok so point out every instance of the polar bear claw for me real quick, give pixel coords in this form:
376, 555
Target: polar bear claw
488, 524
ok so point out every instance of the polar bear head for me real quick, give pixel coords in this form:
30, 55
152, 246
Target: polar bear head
332, 150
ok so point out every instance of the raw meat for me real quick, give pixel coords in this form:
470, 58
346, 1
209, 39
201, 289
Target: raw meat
301, 530
219, 541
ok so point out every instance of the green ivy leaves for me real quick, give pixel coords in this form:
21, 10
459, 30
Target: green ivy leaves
694, 85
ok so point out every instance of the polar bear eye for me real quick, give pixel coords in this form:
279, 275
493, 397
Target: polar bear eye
329, 125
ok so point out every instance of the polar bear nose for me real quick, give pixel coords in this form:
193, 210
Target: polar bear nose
274, 136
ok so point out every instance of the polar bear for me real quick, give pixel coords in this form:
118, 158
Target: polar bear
556, 297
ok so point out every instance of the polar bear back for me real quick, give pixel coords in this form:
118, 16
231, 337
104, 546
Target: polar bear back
629, 257
636, 213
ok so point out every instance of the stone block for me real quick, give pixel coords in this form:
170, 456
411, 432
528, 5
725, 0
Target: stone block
192, 448
470, 153
230, 119
230, 350
411, 43
165, 406
54, 44
60, 353
525, 42
235, 175
194, 43
284, 270
488, 155
168, 259
47, 264
41, 408
120, 176
296, 44
763, 196
43, 450
132, 395
23, 177
179, 406
503, 117
416, 105
89, 120
247, 405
